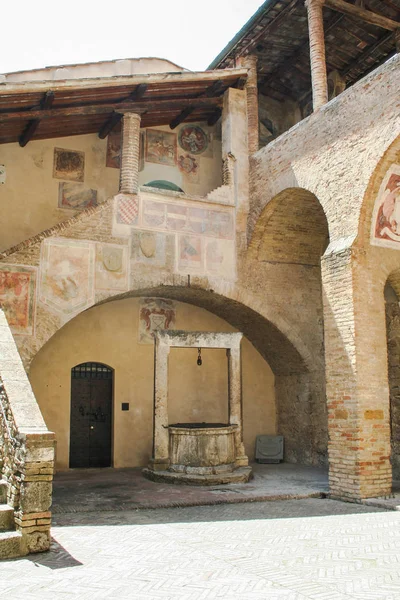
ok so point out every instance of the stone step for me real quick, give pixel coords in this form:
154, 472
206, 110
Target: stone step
3, 492
11, 545
6, 518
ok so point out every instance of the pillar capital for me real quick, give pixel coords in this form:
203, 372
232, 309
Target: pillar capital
309, 3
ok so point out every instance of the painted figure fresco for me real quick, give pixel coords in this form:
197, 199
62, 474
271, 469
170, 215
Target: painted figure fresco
193, 139
18, 297
66, 281
386, 217
113, 157
160, 147
74, 196
69, 164
155, 314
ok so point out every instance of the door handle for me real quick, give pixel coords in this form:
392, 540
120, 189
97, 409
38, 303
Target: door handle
92, 427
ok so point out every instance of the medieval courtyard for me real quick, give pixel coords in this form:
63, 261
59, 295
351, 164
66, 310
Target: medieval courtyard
200, 316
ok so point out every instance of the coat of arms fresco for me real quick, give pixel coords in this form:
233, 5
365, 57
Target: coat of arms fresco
18, 297
155, 314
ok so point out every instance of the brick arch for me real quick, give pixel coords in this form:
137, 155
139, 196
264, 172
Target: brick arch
390, 156
269, 333
292, 228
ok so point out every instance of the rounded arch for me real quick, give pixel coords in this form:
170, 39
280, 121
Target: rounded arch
292, 228
374, 191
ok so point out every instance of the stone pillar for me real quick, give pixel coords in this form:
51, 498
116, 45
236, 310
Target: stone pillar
128, 182
317, 52
160, 458
250, 63
235, 403
235, 157
356, 377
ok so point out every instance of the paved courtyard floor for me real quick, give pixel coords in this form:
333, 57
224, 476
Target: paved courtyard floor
288, 550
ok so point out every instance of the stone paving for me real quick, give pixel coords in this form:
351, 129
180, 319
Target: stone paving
286, 550
80, 490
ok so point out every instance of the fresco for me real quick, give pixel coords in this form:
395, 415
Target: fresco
111, 267
190, 253
74, 196
220, 258
18, 297
188, 165
113, 157
155, 314
386, 215
66, 277
193, 139
69, 164
154, 214
160, 147
127, 209
153, 248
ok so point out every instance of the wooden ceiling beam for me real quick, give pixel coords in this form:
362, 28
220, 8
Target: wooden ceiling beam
118, 107
367, 53
361, 13
216, 89
215, 117
30, 129
115, 118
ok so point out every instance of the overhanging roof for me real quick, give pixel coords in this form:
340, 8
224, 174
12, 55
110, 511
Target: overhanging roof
278, 34
48, 109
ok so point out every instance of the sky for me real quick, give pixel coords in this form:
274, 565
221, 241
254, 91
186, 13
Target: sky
190, 34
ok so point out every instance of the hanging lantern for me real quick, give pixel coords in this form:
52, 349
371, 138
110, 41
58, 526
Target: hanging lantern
199, 360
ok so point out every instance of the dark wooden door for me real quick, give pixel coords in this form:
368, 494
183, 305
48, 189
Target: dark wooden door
91, 416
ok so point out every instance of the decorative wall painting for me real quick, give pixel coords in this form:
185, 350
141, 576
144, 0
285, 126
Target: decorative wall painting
127, 209
113, 157
220, 258
76, 197
69, 164
386, 215
155, 314
111, 267
190, 253
188, 164
161, 147
17, 297
193, 139
66, 279
153, 248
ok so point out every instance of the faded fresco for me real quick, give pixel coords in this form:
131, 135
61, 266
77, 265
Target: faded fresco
111, 267
113, 156
160, 147
69, 164
190, 253
67, 275
386, 215
155, 314
18, 297
74, 196
153, 248
193, 139
189, 166
127, 209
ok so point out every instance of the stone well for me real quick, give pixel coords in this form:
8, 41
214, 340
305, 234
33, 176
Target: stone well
198, 453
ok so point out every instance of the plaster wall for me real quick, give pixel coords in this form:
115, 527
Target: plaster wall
282, 115
29, 199
109, 334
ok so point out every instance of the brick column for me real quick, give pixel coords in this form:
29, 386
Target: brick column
250, 63
356, 377
317, 52
128, 182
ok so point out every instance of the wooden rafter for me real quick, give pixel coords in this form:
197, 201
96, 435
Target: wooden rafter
361, 13
115, 118
30, 129
367, 53
216, 89
119, 107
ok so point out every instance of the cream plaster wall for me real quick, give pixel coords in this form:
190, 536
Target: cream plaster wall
109, 334
29, 198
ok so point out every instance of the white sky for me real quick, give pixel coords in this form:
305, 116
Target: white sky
189, 33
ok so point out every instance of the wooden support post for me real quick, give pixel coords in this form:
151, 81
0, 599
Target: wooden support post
30, 129
317, 53
128, 183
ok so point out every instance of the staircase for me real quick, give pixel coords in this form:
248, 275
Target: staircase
10, 540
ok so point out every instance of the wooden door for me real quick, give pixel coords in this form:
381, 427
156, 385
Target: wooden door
91, 416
